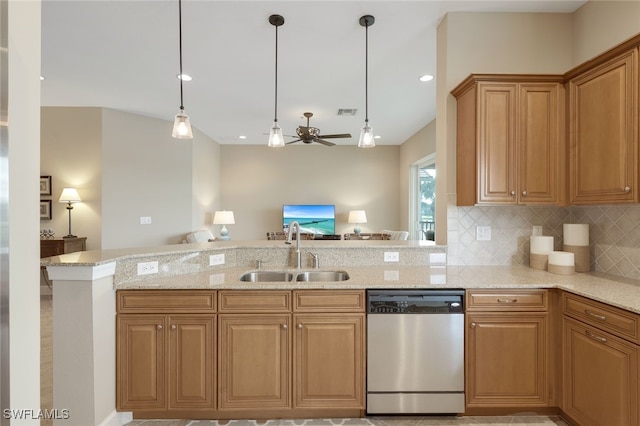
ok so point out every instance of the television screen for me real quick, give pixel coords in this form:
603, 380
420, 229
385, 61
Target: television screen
312, 218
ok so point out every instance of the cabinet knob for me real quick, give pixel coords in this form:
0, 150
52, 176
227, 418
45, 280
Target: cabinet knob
472, 325
285, 326
173, 326
159, 326
299, 325
627, 189
524, 193
513, 193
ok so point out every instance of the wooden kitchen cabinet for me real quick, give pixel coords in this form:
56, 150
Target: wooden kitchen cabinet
165, 361
255, 359
507, 349
329, 367
58, 246
603, 110
510, 144
601, 359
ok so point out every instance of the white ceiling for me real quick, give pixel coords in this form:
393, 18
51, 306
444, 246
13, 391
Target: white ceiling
124, 55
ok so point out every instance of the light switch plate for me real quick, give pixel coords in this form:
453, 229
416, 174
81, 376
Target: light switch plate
145, 220
216, 259
146, 268
483, 233
391, 256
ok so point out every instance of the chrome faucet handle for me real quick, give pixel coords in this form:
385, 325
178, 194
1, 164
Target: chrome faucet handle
316, 260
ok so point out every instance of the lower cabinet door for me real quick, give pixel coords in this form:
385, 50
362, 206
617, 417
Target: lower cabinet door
140, 362
254, 361
600, 377
329, 369
506, 359
191, 361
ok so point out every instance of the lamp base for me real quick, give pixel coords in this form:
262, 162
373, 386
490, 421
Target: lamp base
70, 236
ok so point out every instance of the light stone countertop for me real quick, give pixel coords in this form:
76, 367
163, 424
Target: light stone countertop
615, 291
186, 266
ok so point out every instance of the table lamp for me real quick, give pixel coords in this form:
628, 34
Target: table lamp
69, 196
357, 217
224, 217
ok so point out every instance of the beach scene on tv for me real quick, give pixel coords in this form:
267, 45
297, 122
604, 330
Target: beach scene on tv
317, 219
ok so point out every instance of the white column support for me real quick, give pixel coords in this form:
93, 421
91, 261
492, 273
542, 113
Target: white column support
84, 345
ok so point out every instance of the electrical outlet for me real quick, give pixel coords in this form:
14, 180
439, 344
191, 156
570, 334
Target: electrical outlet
216, 259
391, 256
145, 220
483, 233
145, 268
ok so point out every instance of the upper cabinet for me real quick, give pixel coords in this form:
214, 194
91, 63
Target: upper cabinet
603, 137
510, 146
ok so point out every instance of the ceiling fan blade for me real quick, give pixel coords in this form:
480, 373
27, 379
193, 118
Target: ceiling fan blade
327, 143
297, 140
341, 135
286, 136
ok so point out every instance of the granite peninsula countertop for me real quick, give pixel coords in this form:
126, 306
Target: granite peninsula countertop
186, 266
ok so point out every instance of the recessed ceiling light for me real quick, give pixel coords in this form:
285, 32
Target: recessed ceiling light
377, 137
41, 77
426, 77
184, 77
242, 137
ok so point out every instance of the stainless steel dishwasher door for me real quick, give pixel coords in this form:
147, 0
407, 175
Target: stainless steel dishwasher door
415, 363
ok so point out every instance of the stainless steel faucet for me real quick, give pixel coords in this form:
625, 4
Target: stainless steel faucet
297, 252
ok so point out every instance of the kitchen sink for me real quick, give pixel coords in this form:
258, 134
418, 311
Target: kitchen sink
322, 276
266, 276
281, 276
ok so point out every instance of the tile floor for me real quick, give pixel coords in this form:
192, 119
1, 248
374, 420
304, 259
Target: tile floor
46, 396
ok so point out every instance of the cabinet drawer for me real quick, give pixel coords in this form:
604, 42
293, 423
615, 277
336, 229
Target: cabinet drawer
506, 300
166, 301
605, 317
255, 301
328, 301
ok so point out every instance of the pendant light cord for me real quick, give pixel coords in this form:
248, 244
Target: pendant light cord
366, 73
276, 81
180, 43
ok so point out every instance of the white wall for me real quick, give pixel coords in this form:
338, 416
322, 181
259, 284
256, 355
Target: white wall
146, 173
70, 152
600, 25
205, 180
24, 165
417, 147
257, 181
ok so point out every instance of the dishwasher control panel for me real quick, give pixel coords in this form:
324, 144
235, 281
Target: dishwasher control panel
415, 301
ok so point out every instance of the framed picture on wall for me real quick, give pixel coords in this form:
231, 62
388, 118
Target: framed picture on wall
45, 209
45, 185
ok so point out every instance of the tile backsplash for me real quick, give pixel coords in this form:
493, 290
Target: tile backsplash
614, 234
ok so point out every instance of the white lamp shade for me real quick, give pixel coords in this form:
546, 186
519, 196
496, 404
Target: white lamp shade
276, 139
70, 195
366, 137
182, 127
357, 216
223, 217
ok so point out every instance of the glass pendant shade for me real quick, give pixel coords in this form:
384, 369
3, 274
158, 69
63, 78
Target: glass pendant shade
276, 140
366, 137
182, 126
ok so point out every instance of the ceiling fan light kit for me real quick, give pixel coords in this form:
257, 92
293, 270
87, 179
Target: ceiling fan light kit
366, 133
276, 140
181, 124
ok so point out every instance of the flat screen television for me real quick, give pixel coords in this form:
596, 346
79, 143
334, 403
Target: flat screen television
313, 218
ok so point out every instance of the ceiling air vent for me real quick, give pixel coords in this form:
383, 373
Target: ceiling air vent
347, 111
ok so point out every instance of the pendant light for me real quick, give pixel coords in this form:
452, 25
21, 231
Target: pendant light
366, 133
276, 140
181, 124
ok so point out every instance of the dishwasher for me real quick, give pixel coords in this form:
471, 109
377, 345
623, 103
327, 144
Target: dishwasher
415, 351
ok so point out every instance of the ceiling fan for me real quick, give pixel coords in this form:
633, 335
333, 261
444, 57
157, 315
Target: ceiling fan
309, 134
